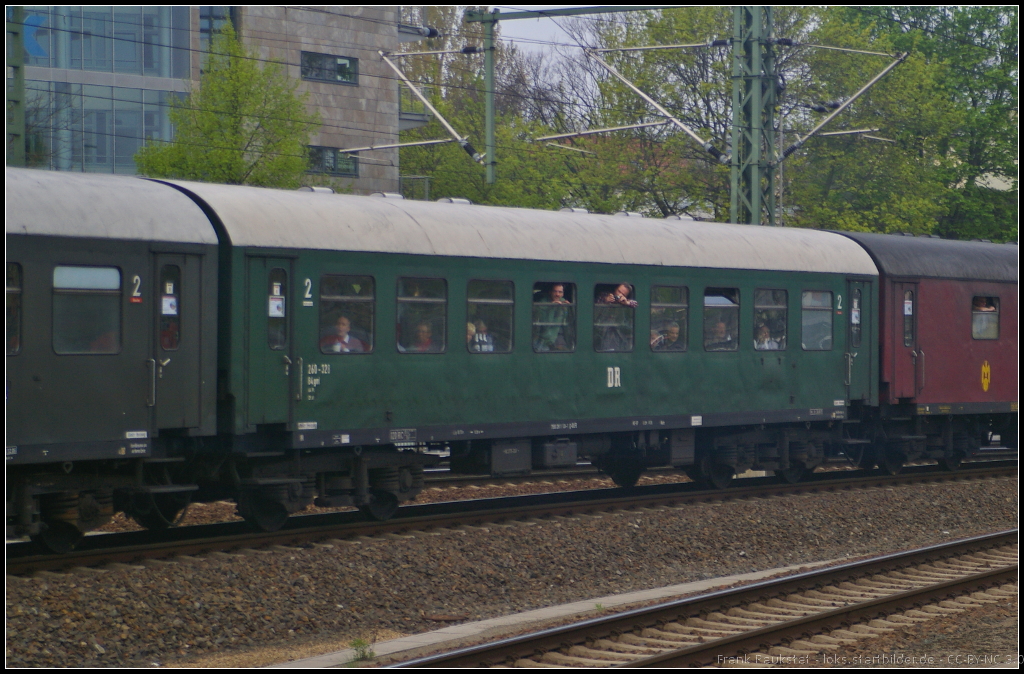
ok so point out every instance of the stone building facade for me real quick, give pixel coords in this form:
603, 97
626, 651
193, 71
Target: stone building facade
99, 80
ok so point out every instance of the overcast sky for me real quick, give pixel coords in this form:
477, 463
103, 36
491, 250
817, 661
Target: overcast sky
529, 34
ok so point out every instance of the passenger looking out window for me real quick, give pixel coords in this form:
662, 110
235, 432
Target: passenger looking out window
422, 315
770, 307
340, 339
985, 318
721, 319
669, 306
490, 306
613, 318
346, 314
554, 317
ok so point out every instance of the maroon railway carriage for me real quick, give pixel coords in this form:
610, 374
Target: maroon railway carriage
948, 343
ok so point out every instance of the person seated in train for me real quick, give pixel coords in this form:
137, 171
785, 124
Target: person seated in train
763, 339
482, 341
424, 340
670, 339
339, 340
719, 339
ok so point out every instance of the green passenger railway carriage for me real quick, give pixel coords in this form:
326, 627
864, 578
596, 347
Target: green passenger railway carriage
280, 347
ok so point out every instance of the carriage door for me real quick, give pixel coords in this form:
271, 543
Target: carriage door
269, 348
175, 373
907, 358
858, 341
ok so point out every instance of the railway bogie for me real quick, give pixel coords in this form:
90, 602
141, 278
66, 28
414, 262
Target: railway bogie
174, 342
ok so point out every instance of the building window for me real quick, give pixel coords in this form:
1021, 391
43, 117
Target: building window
211, 20
139, 40
329, 160
75, 127
329, 68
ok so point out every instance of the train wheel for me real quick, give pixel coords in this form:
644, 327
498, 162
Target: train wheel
719, 475
264, 513
158, 511
625, 474
952, 461
382, 506
58, 536
891, 461
796, 472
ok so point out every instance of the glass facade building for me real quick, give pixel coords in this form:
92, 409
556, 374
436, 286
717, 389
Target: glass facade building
100, 81
77, 118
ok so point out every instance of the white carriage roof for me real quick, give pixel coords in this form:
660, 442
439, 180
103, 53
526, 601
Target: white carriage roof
60, 203
265, 218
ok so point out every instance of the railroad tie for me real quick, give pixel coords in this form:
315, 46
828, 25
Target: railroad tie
594, 654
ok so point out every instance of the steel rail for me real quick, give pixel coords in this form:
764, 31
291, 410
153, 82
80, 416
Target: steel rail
628, 621
135, 546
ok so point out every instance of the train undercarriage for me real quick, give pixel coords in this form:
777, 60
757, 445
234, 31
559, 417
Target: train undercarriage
56, 504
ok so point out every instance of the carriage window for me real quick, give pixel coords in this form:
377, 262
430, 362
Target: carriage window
855, 318
422, 315
721, 319
277, 319
490, 305
86, 310
908, 318
13, 308
816, 320
554, 317
669, 308
170, 313
770, 308
985, 318
346, 314
614, 315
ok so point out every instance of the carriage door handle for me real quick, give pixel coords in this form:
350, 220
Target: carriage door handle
287, 361
151, 400
849, 367
160, 368
921, 353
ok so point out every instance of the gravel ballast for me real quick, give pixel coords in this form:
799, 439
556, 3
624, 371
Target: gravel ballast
265, 607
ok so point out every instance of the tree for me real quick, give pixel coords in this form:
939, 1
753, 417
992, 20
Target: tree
245, 125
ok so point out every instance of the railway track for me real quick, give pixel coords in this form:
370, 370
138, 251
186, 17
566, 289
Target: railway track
800, 619
132, 547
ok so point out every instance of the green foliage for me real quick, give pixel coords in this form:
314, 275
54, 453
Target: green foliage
363, 650
244, 126
950, 108
947, 114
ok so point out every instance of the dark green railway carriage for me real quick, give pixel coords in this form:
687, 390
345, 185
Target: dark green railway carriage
411, 282
111, 297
